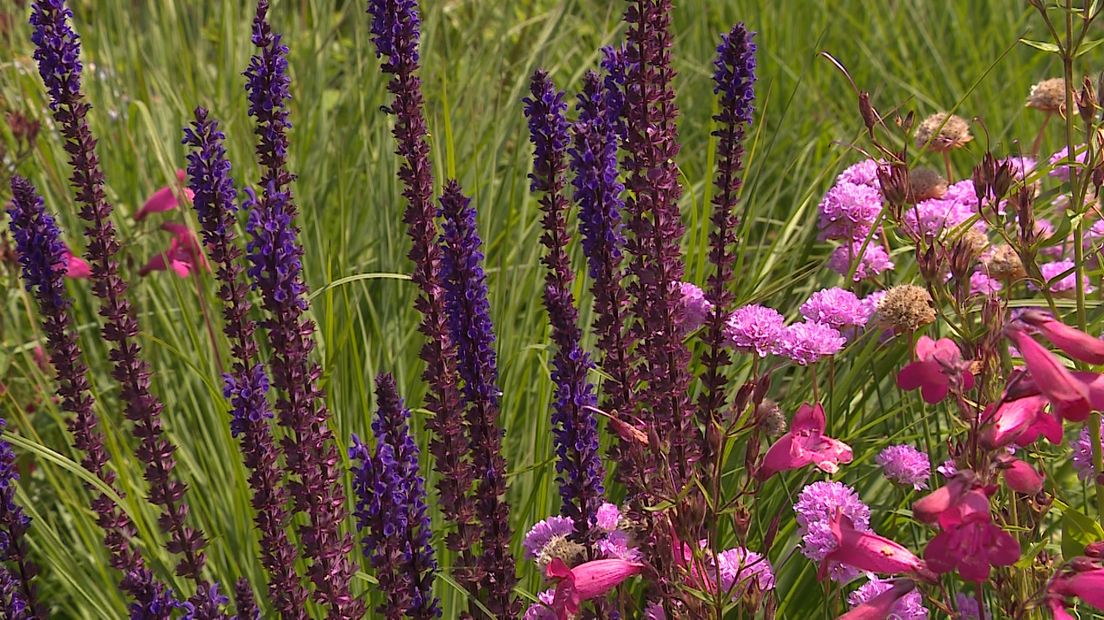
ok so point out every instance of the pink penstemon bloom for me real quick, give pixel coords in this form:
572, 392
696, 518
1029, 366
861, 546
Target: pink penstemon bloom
1068, 395
1087, 585
951, 504
76, 267
938, 367
972, 548
880, 607
1020, 421
184, 255
1076, 343
805, 444
1020, 477
586, 581
165, 198
867, 551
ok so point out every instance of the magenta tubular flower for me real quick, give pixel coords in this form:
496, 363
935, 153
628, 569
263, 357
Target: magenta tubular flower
472, 330
391, 510
734, 84
1074, 342
165, 198
276, 270
57, 52
972, 548
656, 226
1086, 585
805, 444
578, 466
183, 255
395, 32
867, 551
587, 581
938, 368
215, 201
1020, 421
1019, 476
1068, 395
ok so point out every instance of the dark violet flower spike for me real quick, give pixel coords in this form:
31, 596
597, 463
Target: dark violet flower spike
395, 32
733, 82
276, 271
247, 605
156, 602
471, 328
391, 510
14, 554
208, 603
655, 226
578, 464
57, 52
246, 385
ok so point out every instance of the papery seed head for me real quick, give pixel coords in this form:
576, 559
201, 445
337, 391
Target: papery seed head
1005, 264
906, 308
926, 183
943, 132
1048, 95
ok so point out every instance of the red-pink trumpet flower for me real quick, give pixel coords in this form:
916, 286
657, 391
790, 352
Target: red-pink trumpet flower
805, 444
938, 368
1086, 585
165, 198
1021, 477
972, 548
586, 581
1068, 395
867, 551
76, 267
879, 607
1076, 343
183, 256
961, 499
1020, 421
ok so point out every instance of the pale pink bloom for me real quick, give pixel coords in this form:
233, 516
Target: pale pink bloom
76, 267
586, 581
1069, 396
165, 198
1076, 343
867, 551
880, 607
805, 444
608, 516
939, 366
972, 548
1020, 421
183, 256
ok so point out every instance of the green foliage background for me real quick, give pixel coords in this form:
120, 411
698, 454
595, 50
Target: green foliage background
149, 63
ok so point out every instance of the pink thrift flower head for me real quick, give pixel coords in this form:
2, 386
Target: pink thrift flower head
904, 464
805, 444
984, 286
1022, 167
816, 504
586, 581
867, 551
542, 610
836, 308
1066, 277
966, 607
544, 533
618, 545
972, 549
864, 172
848, 211
905, 603
608, 517
1068, 395
938, 367
754, 328
183, 256
963, 194
695, 308
1074, 342
1082, 455
809, 342
869, 262
929, 218
1060, 161
1020, 421
740, 568
165, 198
76, 267
654, 611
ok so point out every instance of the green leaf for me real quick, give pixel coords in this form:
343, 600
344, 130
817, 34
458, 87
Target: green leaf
1078, 531
1088, 46
1041, 45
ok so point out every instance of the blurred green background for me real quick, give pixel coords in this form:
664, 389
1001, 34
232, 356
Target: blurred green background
149, 63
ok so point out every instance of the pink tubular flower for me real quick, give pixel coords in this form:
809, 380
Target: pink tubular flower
805, 444
76, 267
1021, 477
586, 581
972, 548
887, 603
1086, 585
1074, 342
961, 499
183, 256
939, 367
165, 198
1068, 395
867, 551
1020, 421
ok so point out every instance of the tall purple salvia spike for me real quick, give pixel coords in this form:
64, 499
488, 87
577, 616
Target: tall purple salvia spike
734, 83
42, 255
155, 601
578, 465
58, 54
243, 597
14, 555
246, 384
391, 510
616, 70
395, 32
472, 330
276, 270
656, 226
13, 601
208, 603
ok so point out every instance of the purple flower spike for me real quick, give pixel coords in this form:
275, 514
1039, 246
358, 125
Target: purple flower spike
656, 230
472, 330
57, 51
14, 523
247, 605
395, 30
156, 602
215, 202
734, 83
208, 604
391, 510
578, 466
